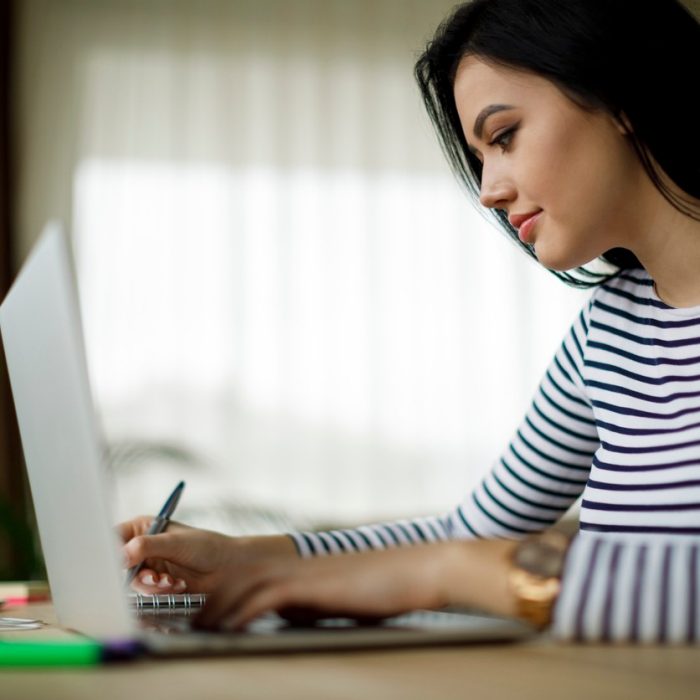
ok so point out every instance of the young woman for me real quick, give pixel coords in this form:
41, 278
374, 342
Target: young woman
573, 122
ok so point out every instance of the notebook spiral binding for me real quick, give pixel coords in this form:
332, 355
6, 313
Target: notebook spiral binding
167, 601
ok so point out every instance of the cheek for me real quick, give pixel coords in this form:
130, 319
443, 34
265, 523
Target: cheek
579, 172
546, 168
579, 178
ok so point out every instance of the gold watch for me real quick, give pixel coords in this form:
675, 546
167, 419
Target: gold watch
535, 574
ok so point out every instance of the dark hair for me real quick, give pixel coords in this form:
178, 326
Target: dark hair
634, 60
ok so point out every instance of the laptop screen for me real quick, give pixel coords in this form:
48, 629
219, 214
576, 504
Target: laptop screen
43, 340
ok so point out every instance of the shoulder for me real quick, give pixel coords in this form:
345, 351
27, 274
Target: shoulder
629, 289
634, 279
626, 298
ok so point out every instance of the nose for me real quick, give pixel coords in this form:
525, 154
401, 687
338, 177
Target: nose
497, 189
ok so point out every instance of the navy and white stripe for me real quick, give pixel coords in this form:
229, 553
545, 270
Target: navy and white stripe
616, 419
630, 591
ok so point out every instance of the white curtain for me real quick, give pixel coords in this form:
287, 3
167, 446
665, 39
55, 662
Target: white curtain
278, 273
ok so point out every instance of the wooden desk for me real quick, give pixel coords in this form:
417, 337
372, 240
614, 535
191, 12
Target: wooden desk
535, 670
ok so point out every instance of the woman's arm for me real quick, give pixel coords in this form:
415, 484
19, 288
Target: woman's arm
619, 591
368, 585
537, 478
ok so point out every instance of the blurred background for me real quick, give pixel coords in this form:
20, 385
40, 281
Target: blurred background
287, 299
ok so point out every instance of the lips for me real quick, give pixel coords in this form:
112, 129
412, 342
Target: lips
517, 220
524, 223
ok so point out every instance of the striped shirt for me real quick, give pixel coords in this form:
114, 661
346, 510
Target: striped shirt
615, 419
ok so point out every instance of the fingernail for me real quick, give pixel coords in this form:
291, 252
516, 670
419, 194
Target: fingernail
180, 585
164, 582
148, 580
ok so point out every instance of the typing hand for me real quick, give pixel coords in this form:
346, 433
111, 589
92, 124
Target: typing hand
370, 585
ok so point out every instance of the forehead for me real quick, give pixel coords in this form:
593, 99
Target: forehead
479, 84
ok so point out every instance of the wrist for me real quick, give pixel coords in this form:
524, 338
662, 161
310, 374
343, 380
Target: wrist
262, 546
535, 575
509, 578
476, 576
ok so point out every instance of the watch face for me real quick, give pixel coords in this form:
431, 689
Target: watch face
536, 556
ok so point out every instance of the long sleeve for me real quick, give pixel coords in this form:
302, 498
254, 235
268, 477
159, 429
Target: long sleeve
617, 418
630, 591
540, 474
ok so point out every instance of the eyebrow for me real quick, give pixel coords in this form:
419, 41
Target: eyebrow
485, 113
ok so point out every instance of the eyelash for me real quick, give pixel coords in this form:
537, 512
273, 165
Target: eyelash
504, 139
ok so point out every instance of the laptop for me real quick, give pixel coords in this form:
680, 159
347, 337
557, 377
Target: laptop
64, 454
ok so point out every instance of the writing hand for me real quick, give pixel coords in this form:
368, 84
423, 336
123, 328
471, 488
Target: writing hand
187, 558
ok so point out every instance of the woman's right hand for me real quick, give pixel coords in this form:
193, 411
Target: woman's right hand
188, 559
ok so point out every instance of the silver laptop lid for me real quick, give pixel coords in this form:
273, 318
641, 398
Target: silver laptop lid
42, 335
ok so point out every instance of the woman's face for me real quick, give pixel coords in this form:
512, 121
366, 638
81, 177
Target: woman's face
542, 154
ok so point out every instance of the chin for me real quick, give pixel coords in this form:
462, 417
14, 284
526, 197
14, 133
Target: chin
556, 263
560, 260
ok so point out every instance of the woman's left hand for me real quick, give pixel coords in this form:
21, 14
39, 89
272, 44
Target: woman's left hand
369, 585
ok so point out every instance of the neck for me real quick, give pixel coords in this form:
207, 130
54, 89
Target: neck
667, 243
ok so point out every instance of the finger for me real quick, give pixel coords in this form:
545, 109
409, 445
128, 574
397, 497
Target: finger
302, 616
215, 607
306, 616
142, 547
140, 526
228, 596
152, 582
146, 581
180, 575
283, 593
263, 600
136, 526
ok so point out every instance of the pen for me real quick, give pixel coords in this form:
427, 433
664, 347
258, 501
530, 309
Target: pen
160, 522
82, 652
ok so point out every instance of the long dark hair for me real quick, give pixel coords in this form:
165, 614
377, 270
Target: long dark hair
637, 61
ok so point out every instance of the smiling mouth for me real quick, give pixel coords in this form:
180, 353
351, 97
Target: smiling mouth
526, 227
517, 220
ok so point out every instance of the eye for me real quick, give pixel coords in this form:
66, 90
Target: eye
504, 139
